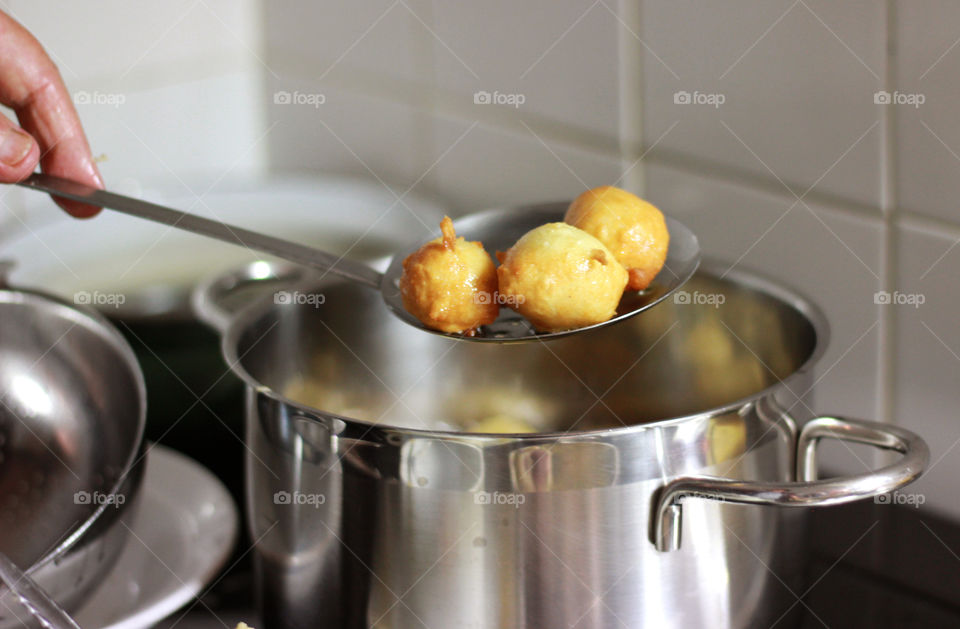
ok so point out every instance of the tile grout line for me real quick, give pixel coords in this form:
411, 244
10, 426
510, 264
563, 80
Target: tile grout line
452, 104
262, 80
440, 104
630, 57
887, 393
760, 184
425, 53
939, 226
444, 104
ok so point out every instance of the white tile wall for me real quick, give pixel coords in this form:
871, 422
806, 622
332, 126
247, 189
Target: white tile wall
478, 166
798, 80
115, 41
340, 37
165, 90
181, 129
928, 64
345, 132
928, 357
405, 75
560, 57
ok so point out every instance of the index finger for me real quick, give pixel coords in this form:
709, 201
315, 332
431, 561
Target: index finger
31, 85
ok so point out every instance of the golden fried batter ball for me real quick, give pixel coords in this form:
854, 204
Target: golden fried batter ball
450, 284
631, 228
560, 278
501, 424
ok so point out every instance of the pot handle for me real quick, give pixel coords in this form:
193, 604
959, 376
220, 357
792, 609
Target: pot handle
667, 510
217, 300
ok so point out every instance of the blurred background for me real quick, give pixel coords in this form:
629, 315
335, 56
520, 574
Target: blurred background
815, 142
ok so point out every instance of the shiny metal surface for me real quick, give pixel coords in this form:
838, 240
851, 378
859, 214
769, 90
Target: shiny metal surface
72, 413
807, 491
372, 508
497, 229
307, 256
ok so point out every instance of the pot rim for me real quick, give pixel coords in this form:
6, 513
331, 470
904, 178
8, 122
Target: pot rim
711, 266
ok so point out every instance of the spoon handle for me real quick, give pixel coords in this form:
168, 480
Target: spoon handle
285, 249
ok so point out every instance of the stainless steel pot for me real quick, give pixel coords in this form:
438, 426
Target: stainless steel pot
72, 414
370, 509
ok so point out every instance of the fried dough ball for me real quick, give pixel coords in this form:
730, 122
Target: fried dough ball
501, 424
450, 284
631, 228
560, 278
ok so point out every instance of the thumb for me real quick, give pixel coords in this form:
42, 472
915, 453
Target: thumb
19, 152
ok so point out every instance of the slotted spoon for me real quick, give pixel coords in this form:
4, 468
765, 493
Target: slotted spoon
496, 229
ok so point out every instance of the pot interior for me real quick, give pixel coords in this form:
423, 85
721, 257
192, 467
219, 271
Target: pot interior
336, 348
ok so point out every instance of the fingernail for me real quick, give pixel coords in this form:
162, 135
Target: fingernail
14, 146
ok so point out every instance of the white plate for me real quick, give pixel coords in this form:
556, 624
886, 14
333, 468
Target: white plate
180, 539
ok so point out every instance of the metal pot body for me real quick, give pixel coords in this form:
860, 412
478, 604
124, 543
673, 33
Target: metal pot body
72, 414
378, 511
553, 533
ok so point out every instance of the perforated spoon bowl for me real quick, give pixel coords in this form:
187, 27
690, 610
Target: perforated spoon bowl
496, 229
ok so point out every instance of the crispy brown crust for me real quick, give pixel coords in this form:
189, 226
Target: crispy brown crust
450, 284
449, 234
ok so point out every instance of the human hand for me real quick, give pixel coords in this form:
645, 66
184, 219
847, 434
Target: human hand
50, 132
